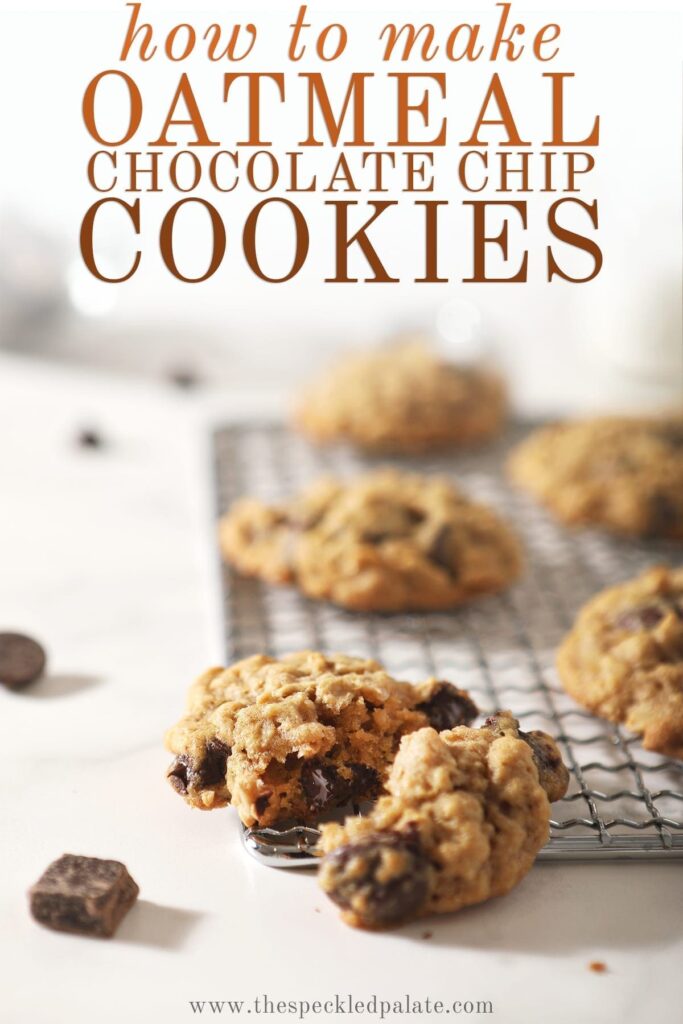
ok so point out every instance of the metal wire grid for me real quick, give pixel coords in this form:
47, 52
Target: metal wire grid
623, 802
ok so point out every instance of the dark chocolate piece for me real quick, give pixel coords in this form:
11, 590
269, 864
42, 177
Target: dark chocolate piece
664, 515
324, 785
183, 377
211, 770
22, 660
88, 437
185, 773
672, 433
443, 550
261, 803
369, 878
448, 707
552, 773
84, 895
646, 617
179, 774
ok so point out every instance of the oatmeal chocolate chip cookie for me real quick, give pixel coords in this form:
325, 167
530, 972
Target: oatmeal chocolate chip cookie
293, 738
624, 658
624, 474
403, 399
387, 541
465, 814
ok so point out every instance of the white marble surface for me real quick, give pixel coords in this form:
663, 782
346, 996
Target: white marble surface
106, 557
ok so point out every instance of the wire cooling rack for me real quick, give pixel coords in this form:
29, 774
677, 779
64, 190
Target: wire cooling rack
623, 802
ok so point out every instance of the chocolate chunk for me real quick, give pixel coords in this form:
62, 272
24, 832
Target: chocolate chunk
261, 803
382, 879
390, 521
22, 660
325, 785
85, 895
186, 773
448, 706
179, 774
183, 377
552, 773
211, 770
672, 433
364, 782
646, 617
319, 783
443, 550
664, 515
375, 537
88, 437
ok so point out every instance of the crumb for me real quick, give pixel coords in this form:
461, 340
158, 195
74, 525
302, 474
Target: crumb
88, 437
183, 377
427, 935
597, 966
317, 909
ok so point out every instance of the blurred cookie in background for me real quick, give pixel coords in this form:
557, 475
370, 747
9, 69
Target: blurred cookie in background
405, 398
623, 474
385, 541
623, 659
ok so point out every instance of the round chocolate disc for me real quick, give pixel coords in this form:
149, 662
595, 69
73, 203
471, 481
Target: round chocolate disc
22, 660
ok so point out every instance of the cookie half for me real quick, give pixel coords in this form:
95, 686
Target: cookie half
403, 398
465, 814
624, 658
290, 739
387, 541
623, 474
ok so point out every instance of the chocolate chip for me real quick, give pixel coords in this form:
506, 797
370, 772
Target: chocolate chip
364, 782
672, 433
320, 784
211, 770
88, 437
448, 707
325, 785
183, 377
178, 774
390, 522
545, 756
85, 895
22, 660
382, 879
261, 803
185, 773
443, 550
664, 515
636, 619
552, 773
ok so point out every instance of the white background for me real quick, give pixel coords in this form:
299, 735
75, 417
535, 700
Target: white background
612, 341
